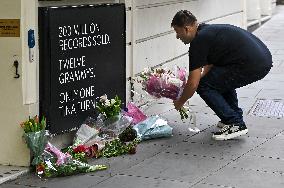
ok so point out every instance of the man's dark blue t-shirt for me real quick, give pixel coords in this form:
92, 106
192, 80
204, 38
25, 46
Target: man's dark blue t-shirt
222, 45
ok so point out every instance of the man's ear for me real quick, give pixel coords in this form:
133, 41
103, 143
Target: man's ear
188, 28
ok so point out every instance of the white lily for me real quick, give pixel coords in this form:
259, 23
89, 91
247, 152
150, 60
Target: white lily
112, 101
103, 98
107, 102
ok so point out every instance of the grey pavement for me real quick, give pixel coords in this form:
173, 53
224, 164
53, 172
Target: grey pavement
195, 160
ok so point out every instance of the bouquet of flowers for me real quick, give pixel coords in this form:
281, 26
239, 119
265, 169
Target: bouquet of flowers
55, 163
108, 108
116, 148
48, 169
134, 112
164, 83
35, 136
110, 121
34, 125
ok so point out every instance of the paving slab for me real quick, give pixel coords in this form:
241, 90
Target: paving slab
268, 84
264, 127
271, 94
8, 173
272, 148
241, 178
75, 181
131, 181
248, 92
260, 163
176, 166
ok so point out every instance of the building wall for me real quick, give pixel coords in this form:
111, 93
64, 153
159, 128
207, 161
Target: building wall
13, 111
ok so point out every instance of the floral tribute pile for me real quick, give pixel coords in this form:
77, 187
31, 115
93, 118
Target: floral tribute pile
114, 132
47, 159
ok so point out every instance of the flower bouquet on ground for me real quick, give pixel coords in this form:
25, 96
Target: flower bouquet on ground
87, 143
165, 83
109, 109
110, 121
48, 169
153, 127
35, 136
117, 147
55, 163
135, 113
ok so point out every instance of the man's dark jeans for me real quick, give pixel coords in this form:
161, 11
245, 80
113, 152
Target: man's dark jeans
218, 89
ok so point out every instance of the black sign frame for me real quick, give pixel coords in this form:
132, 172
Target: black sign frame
105, 76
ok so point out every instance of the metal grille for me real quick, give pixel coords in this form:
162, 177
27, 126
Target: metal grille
267, 108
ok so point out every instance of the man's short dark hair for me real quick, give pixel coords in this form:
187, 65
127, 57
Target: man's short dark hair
183, 18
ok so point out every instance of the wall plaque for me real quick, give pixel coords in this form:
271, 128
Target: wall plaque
9, 27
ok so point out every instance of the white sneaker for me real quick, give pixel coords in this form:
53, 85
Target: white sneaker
230, 131
220, 125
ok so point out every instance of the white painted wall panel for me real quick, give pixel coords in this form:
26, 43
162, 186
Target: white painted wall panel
212, 9
273, 6
235, 19
157, 51
128, 26
266, 7
156, 17
155, 20
253, 9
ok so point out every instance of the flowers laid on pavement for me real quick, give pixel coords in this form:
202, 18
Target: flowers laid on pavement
90, 140
50, 161
134, 112
34, 124
153, 127
78, 153
116, 148
128, 135
111, 122
35, 136
108, 108
55, 163
71, 168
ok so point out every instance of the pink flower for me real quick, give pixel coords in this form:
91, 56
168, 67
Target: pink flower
182, 74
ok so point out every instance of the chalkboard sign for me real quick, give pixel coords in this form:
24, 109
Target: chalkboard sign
82, 56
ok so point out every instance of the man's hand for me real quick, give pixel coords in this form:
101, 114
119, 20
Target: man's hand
189, 89
178, 104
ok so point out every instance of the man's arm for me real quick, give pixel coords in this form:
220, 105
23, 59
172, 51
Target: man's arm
190, 87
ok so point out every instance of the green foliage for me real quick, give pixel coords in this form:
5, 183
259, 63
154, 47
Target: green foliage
116, 148
80, 156
71, 168
183, 113
129, 134
108, 108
